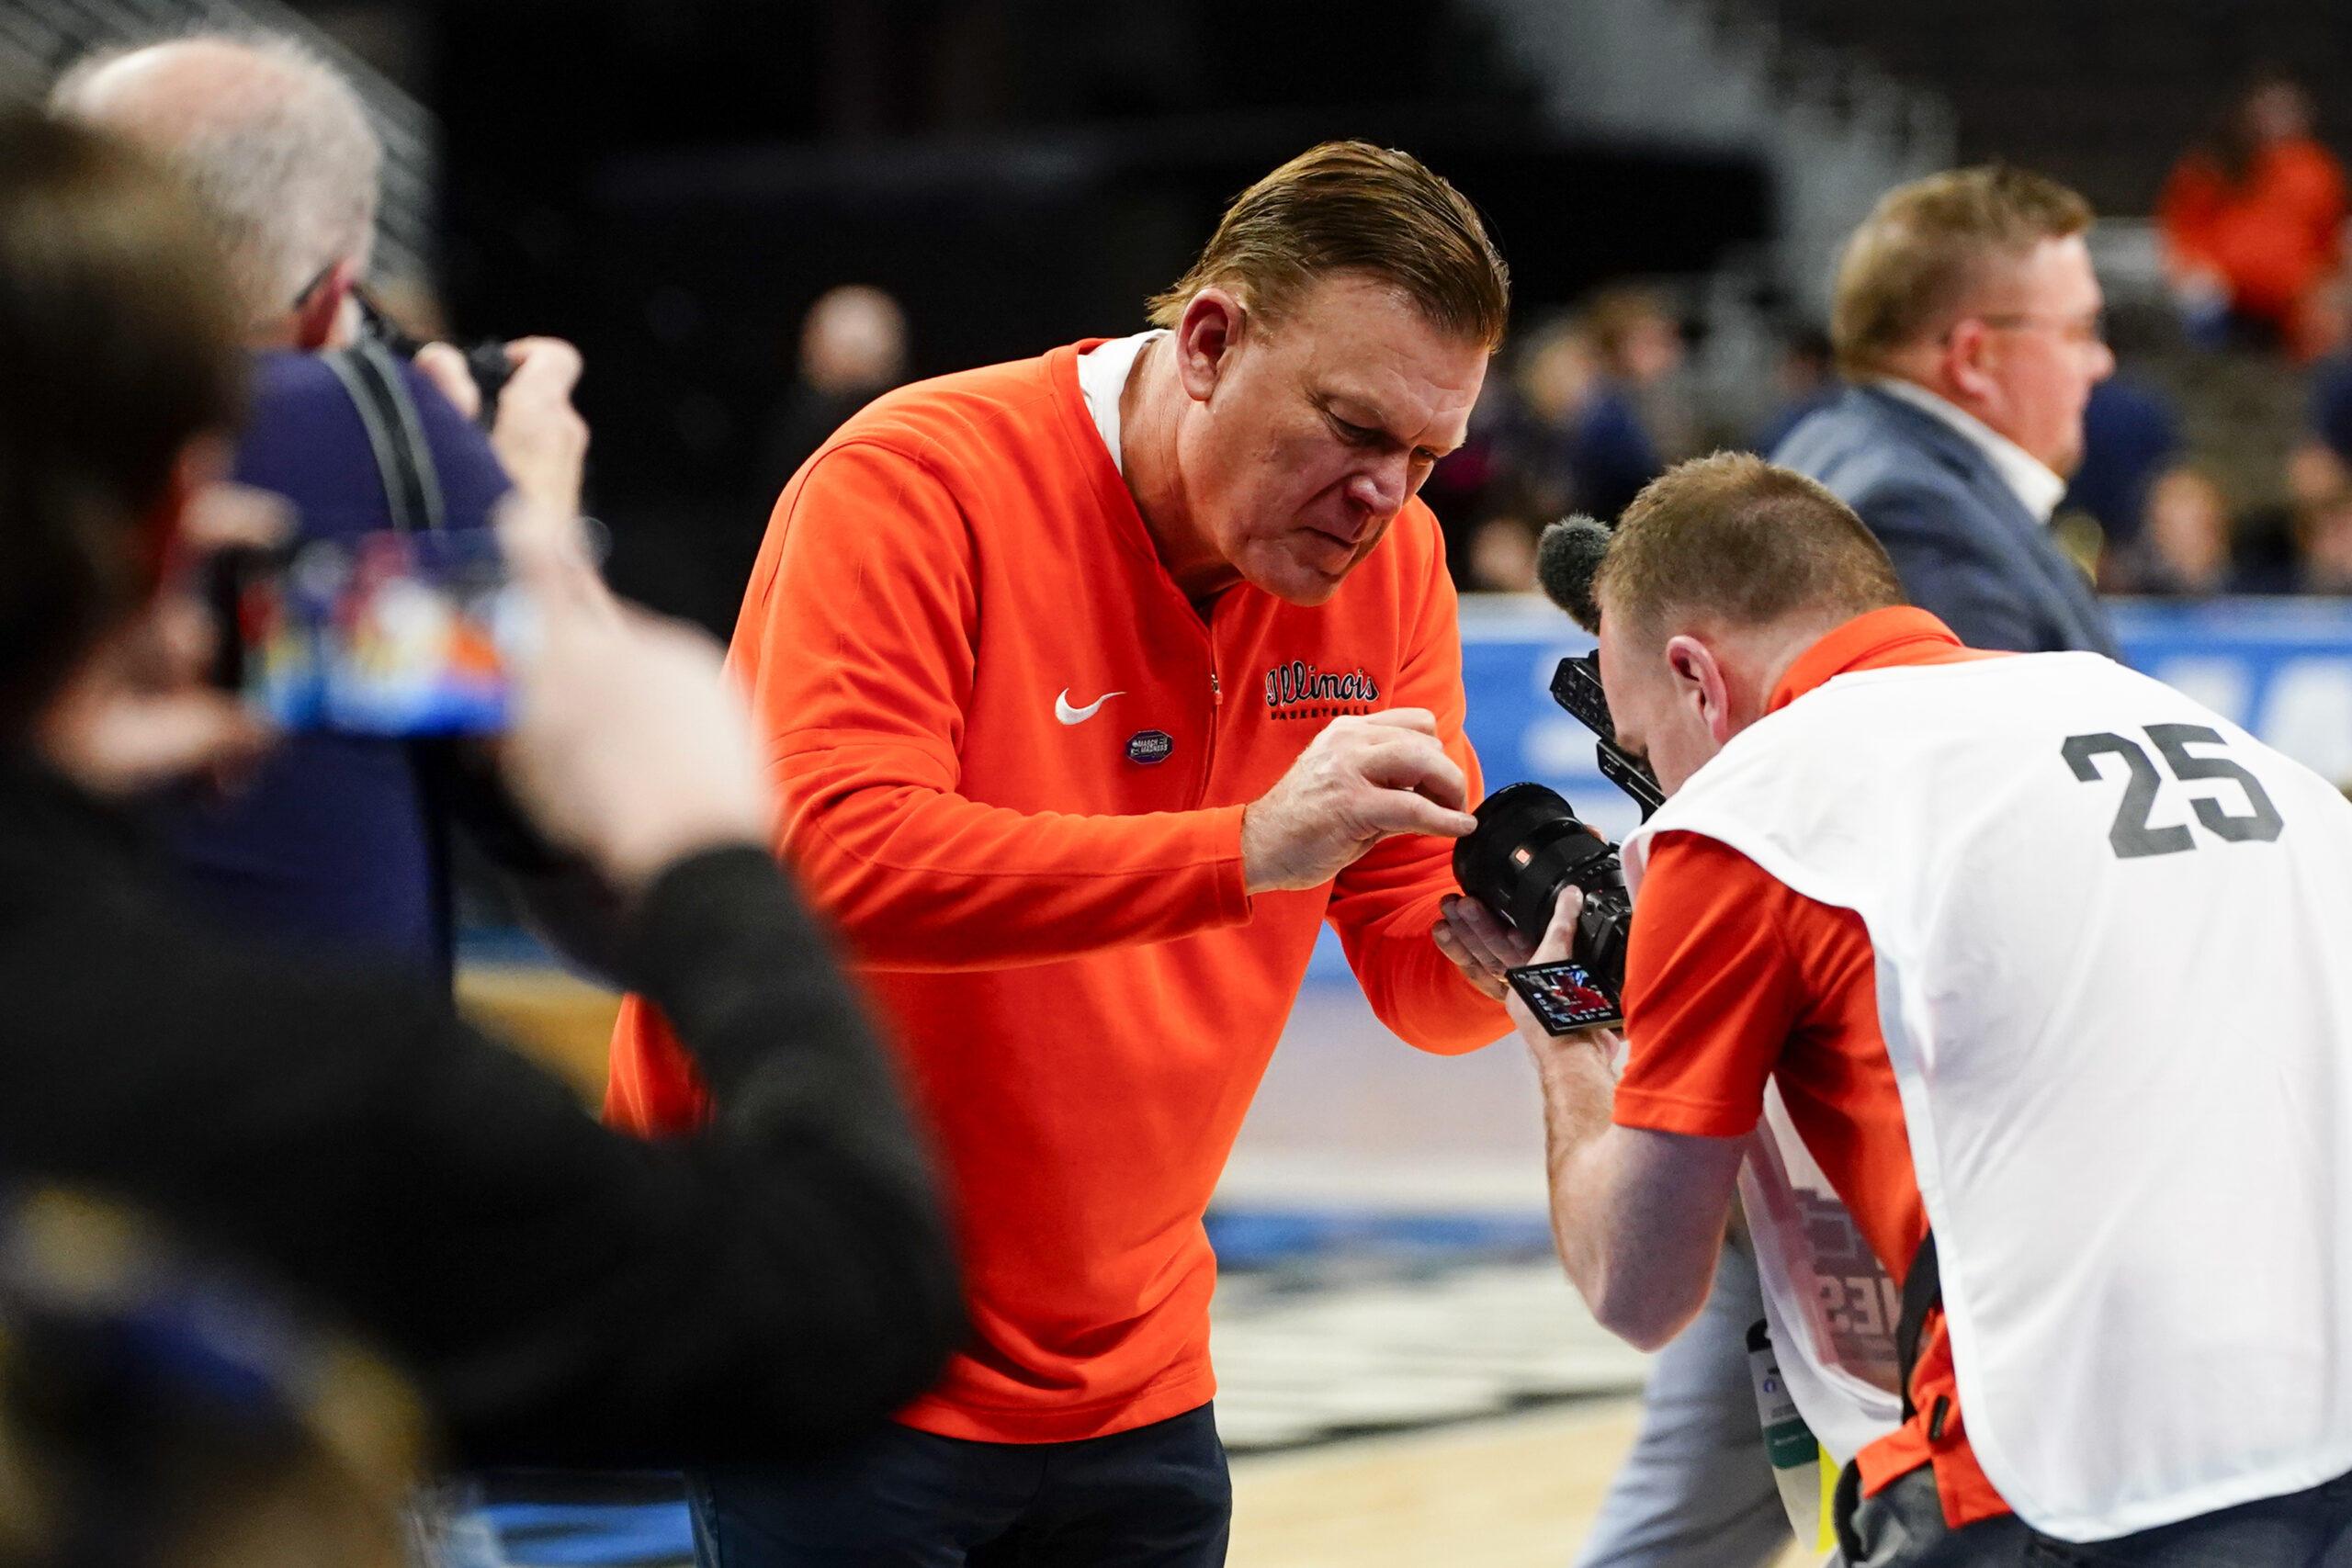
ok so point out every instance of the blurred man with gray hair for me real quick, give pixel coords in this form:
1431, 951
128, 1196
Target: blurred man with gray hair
279, 147
341, 842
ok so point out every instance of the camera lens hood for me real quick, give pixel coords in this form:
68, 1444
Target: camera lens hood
1528, 843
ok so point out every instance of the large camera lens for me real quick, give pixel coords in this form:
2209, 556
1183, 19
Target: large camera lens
1528, 845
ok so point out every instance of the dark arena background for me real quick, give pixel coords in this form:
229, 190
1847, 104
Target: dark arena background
675, 185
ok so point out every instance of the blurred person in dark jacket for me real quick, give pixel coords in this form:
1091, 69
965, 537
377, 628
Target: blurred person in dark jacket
770, 1285
2321, 463
1806, 380
338, 841
1640, 339
2184, 548
2252, 220
1570, 436
2130, 436
852, 349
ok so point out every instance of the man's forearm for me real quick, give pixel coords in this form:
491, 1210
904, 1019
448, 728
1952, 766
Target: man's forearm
1578, 1092
1637, 1215
918, 878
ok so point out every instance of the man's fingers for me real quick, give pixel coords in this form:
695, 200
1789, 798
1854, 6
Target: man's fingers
442, 364
547, 551
1393, 811
223, 516
546, 365
120, 743
1482, 931
1418, 763
1405, 718
1560, 936
1474, 968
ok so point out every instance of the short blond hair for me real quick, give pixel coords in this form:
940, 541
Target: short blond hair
1927, 244
1735, 540
1350, 207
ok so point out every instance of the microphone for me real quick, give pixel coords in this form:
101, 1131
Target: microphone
1566, 560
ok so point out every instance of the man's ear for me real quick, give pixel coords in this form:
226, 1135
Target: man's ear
1698, 677
1212, 327
1968, 353
318, 315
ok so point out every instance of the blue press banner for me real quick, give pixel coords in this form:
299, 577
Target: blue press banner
2282, 668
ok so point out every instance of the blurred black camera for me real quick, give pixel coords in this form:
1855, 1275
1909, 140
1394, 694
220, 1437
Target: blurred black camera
487, 361
1530, 843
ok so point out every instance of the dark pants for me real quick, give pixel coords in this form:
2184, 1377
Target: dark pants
1154, 1497
1902, 1526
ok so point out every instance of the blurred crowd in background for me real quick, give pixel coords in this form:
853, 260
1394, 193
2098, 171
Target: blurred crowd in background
1591, 403
2218, 459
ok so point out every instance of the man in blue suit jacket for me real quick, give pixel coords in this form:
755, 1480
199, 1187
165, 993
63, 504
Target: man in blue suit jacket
1966, 323
1971, 544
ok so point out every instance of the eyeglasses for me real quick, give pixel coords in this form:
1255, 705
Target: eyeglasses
318, 281
374, 319
2081, 331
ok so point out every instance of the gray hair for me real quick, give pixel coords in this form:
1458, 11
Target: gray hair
273, 139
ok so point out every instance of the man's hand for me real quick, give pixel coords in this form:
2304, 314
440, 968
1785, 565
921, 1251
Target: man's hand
1361, 780
138, 712
630, 744
1481, 946
540, 437
1559, 942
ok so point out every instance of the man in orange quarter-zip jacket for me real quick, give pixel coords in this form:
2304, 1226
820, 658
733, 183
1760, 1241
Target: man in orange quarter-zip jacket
1094, 684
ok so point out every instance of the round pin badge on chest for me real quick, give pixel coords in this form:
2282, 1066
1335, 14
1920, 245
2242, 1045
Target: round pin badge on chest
1151, 746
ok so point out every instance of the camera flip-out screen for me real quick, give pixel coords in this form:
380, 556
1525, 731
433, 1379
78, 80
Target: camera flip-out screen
1563, 997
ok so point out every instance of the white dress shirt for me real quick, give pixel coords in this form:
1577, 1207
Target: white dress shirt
2030, 480
1102, 373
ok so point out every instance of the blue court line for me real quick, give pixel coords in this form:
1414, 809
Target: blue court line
593, 1535
1259, 1238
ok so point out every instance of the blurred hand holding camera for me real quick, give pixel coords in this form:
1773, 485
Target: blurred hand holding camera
538, 436
629, 745
1363, 779
139, 711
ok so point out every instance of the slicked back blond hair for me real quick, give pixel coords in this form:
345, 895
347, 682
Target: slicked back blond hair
1929, 244
1734, 540
1350, 207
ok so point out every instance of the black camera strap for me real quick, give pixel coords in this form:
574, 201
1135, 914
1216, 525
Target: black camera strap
1923, 1291
403, 457
455, 781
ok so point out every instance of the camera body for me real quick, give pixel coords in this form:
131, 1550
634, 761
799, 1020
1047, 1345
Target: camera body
1530, 843
487, 362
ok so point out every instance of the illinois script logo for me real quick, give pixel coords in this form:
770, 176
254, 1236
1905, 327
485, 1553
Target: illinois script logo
1299, 689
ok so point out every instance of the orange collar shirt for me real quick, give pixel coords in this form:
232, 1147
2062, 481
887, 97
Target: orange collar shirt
1014, 759
1733, 978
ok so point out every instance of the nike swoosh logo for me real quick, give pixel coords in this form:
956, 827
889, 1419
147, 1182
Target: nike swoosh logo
1069, 715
